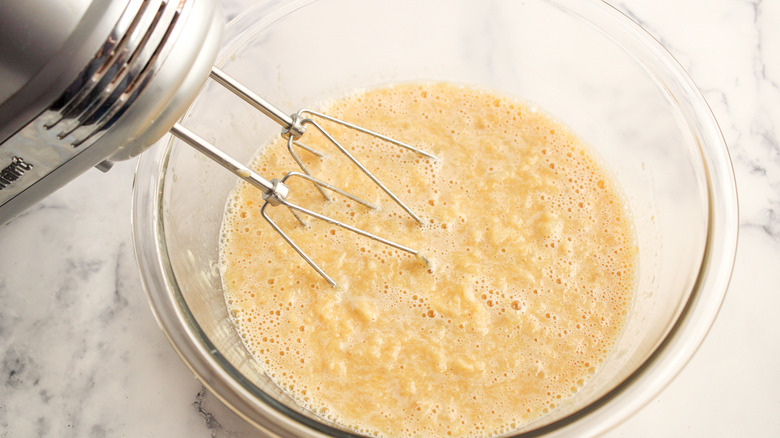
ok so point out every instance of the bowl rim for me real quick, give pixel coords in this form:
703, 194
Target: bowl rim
630, 395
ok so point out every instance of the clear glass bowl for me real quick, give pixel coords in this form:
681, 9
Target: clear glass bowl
582, 61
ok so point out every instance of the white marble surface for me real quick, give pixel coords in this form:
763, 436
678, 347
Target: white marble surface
81, 354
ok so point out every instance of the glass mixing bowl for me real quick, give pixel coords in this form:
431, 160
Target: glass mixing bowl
582, 61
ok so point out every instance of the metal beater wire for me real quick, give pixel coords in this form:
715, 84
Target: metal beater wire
327, 219
275, 191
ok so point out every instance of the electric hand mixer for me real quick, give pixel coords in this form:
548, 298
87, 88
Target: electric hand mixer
88, 83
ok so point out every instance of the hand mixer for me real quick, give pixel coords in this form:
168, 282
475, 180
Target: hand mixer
87, 83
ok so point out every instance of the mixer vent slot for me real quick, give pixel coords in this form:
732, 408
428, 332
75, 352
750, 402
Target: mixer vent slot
118, 73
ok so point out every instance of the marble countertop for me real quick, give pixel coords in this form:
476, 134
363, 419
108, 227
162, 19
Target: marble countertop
82, 356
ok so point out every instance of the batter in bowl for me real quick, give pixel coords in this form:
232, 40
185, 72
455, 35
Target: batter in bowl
531, 276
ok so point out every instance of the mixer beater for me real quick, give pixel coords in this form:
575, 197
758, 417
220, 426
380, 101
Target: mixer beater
275, 191
89, 83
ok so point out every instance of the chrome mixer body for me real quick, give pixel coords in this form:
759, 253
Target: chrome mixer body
86, 83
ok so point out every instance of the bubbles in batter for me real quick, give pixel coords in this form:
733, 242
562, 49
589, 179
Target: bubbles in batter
531, 278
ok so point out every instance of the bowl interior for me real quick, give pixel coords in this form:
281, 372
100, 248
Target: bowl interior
576, 60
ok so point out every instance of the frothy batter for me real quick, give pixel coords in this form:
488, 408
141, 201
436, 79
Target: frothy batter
532, 276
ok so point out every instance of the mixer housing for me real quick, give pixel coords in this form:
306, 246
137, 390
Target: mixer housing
87, 83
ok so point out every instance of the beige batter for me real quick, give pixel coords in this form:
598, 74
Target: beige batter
531, 279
